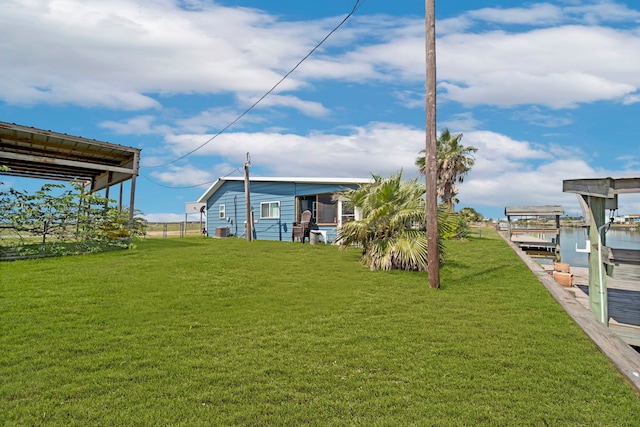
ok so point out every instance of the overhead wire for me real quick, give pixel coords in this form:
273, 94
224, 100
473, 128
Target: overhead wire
356, 6
190, 186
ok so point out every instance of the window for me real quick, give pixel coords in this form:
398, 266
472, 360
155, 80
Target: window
222, 212
270, 210
348, 211
326, 209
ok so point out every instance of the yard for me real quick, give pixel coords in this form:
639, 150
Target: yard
198, 331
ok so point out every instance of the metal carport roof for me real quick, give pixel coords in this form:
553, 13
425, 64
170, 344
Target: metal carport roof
36, 153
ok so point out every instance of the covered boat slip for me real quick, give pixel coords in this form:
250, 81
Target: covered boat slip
535, 229
613, 299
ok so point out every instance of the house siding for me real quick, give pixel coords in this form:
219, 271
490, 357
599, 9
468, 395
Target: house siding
231, 194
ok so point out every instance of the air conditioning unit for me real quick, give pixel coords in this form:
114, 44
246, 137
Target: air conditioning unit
222, 232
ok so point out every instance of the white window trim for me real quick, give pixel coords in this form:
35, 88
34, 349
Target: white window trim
270, 203
222, 211
357, 214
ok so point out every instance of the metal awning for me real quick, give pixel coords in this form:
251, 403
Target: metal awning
37, 153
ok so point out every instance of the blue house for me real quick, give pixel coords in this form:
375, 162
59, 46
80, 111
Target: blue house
276, 203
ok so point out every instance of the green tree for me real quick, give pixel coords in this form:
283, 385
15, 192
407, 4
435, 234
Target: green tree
41, 214
454, 161
470, 215
391, 229
58, 215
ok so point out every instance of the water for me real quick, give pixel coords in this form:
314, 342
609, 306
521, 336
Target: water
615, 238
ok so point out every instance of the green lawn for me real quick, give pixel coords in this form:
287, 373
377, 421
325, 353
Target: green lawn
200, 331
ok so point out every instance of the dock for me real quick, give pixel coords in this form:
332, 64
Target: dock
623, 298
537, 247
532, 229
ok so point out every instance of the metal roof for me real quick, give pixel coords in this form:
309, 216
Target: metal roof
546, 210
37, 153
216, 185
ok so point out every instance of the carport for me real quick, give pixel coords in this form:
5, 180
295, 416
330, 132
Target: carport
36, 153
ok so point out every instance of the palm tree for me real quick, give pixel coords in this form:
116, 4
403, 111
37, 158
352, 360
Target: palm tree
391, 231
454, 162
139, 224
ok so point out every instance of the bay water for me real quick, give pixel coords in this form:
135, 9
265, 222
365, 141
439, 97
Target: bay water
570, 237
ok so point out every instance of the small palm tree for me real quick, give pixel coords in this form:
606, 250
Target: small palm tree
454, 161
139, 225
391, 231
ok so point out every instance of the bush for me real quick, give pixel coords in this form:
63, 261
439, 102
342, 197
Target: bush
70, 222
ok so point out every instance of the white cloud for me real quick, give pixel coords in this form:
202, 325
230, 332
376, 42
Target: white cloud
631, 99
127, 55
309, 108
557, 67
513, 186
184, 176
379, 148
603, 11
538, 117
114, 53
536, 14
501, 148
541, 14
462, 122
506, 172
138, 125
512, 173
216, 119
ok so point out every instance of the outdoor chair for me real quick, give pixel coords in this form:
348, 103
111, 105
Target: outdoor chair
301, 229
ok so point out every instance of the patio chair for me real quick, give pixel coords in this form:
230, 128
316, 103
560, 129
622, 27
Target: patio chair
301, 229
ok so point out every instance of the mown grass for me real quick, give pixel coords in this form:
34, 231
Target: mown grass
202, 331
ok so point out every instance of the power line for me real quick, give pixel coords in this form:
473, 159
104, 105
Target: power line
356, 6
190, 186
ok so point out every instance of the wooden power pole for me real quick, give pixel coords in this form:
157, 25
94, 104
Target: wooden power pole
247, 195
430, 152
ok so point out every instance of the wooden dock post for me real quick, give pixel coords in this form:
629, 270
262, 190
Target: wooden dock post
597, 271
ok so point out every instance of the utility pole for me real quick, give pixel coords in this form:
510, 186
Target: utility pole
433, 257
247, 195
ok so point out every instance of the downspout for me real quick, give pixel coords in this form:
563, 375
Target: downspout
235, 214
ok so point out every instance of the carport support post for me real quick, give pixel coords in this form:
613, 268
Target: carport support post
132, 200
597, 271
120, 199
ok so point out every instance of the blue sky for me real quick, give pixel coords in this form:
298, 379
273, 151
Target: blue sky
546, 91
